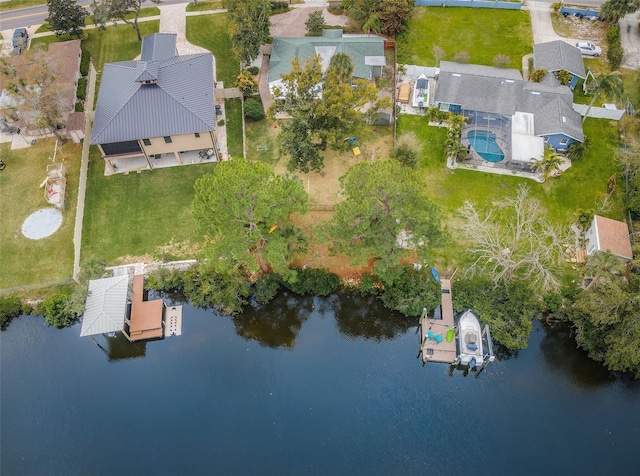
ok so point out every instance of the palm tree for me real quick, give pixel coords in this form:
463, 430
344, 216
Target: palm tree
610, 84
577, 149
342, 66
549, 163
564, 77
603, 264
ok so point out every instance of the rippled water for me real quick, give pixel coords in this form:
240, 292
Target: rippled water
304, 386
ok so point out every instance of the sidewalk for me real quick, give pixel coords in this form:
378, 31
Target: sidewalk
630, 39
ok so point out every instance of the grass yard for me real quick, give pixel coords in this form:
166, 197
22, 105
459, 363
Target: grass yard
203, 6
483, 33
233, 113
211, 32
26, 261
581, 187
262, 141
140, 216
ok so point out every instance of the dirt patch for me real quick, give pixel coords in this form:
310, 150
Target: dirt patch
574, 27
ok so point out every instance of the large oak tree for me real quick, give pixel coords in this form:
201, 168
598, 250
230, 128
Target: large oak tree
385, 207
244, 209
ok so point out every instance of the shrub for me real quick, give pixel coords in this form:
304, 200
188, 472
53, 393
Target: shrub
253, 109
501, 61
165, 280
253, 70
537, 75
411, 291
55, 309
405, 155
462, 57
615, 53
266, 287
556, 6
247, 83
315, 23
320, 282
208, 289
279, 7
81, 92
85, 59
10, 308
79, 107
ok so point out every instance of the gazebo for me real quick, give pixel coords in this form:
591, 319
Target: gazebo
106, 306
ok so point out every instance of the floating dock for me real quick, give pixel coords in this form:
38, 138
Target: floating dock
172, 321
438, 349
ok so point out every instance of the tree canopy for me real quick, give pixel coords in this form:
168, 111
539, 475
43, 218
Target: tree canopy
613, 10
322, 110
388, 17
66, 16
120, 10
513, 241
384, 206
244, 209
249, 26
507, 307
32, 79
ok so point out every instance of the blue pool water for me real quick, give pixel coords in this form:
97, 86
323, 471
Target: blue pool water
484, 143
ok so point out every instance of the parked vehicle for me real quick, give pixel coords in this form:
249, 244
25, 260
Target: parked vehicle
20, 40
588, 49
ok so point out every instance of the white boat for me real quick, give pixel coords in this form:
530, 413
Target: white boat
470, 340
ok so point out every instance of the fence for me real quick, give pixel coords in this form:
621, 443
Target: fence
469, 3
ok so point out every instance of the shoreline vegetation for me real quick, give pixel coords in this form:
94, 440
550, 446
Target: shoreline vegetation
504, 295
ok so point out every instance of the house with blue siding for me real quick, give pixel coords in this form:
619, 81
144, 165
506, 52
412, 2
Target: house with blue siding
556, 56
508, 118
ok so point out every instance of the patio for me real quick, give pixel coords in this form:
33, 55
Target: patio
137, 164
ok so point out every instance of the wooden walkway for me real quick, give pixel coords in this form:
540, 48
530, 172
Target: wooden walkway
431, 349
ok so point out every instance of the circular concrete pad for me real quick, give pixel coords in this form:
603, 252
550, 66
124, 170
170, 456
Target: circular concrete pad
42, 223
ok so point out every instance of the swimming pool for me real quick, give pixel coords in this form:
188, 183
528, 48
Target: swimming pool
484, 143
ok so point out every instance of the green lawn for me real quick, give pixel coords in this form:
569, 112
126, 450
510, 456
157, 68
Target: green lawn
133, 215
262, 135
481, 32
211, 32
26, 261
579, 187
204, 6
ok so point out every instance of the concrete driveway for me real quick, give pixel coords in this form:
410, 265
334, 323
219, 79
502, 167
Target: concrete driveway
291, 23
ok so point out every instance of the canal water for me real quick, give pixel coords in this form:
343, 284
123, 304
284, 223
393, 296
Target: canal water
308, 386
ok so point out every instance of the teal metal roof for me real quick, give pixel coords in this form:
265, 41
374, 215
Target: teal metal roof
358, 47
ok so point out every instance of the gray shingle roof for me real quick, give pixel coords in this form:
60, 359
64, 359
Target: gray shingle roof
557, 55
284, 50
179, 100
158, 46
482, 88
478, 88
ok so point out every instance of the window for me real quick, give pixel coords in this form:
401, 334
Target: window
546, 140
197, 134
167, 140
564, 141
146, 141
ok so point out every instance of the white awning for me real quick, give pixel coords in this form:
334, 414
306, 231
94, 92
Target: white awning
106, 306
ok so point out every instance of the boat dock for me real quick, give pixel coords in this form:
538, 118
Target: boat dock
434, 345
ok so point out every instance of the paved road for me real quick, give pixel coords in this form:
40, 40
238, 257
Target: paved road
31, 16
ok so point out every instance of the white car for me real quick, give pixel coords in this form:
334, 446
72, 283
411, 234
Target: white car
588, 49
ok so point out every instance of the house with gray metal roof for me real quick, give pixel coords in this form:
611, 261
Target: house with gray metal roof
508, 118
366, 52
158, 111
556, 56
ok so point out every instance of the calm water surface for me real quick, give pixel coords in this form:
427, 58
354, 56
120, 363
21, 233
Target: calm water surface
318, 386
